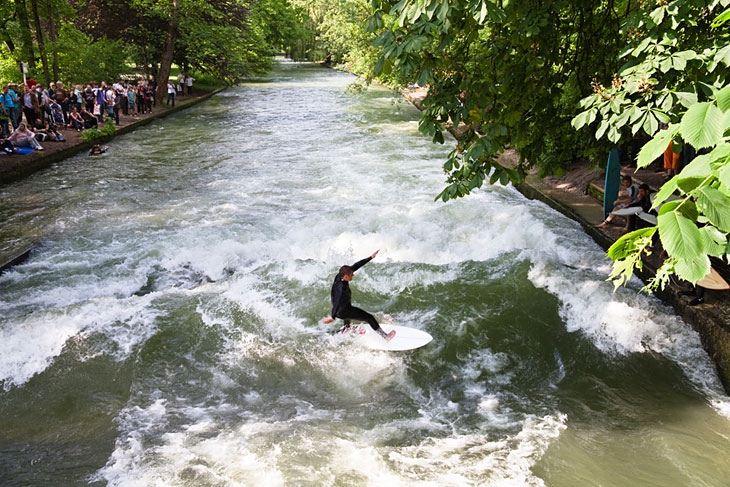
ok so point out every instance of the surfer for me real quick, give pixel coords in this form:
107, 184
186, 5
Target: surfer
342, 306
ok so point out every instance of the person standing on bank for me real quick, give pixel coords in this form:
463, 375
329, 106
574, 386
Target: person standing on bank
170, 92
341, 300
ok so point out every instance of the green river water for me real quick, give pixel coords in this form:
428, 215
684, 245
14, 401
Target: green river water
165, 332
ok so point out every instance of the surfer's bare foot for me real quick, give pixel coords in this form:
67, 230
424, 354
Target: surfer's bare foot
390, 336
603, 224
327, 320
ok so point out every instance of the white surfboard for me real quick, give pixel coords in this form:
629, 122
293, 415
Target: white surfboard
405, 338
648, 217
630, 210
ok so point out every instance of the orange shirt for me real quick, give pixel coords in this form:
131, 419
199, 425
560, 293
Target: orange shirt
671, 160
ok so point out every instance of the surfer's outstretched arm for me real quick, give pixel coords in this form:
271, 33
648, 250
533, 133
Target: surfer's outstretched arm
364, 261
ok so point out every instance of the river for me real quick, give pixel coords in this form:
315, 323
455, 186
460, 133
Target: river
165, 332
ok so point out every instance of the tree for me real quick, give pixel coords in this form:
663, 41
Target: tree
21, 13
505, 74
41, 42
52, 36
167, 52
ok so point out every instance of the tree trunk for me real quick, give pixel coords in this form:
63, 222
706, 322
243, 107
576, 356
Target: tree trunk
52, 36
22, 13
8, 42
167, 54
41, 44
147, 70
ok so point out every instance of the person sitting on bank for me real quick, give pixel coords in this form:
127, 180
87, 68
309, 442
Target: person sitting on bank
629, 194
643, 200
22, 137
46, 131
98, 150
6, 147
56, 112
90, 120
75, 119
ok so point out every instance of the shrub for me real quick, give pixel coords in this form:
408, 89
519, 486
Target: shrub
94, 135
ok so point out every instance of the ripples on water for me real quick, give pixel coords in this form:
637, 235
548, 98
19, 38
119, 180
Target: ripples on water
166, 330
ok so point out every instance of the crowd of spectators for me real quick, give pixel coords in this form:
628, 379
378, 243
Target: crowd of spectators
52, 109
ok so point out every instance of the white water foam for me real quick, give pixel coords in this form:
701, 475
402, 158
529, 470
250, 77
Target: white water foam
474, 460
31, 344
628, 322
174, 443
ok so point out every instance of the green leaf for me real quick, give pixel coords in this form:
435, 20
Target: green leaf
614, 135
661, 116
719, 156
723, 55
715, 242
724, 176
685, 98
474, 151
657, 15
686, 55
626, 244
679, 235
702, 126
634, 114
721, 19
723, 98
426, 77
665, 192
580, 120
686, 208
693, 270
639, 123
482, 13
715, 206
656, 146
666, 104
602, 127
651, 124
687, 185
504, 178
665, 65
700, 166
623, 118
641, 47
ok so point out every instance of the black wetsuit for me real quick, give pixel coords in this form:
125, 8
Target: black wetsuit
341, 301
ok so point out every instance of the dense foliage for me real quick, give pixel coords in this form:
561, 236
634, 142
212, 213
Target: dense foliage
77, 41
510, 74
